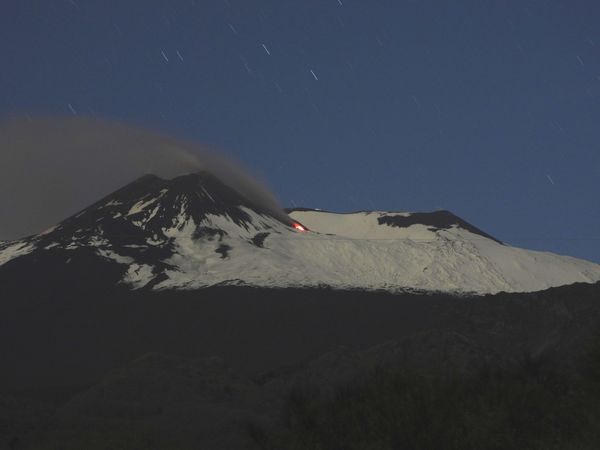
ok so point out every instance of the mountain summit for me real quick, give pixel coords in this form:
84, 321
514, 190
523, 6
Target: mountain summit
195, 231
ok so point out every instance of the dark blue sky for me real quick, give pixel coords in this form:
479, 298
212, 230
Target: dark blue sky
490, 109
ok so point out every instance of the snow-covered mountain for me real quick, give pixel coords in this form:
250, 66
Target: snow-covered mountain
194, 231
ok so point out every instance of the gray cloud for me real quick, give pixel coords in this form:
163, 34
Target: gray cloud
51, 168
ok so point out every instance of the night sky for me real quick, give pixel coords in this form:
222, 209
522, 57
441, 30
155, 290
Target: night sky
490, 109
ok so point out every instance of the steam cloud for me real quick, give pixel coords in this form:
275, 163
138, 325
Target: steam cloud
51, 168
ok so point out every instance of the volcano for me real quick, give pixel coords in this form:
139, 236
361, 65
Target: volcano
177, 302
195, 231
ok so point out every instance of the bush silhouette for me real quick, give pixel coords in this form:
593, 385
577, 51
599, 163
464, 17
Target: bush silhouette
529, 406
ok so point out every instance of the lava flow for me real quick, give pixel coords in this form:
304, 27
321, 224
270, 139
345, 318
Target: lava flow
299, 227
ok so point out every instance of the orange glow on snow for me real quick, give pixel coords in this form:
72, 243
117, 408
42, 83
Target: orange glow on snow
298, 227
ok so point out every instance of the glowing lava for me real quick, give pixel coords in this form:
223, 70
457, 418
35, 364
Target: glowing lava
298, 227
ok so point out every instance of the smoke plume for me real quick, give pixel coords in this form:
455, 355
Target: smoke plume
51, 168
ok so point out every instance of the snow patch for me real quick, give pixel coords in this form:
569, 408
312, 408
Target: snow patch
140, 206
138, 275
208, 195
15, 250
112, 203
109, 254
351, 251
